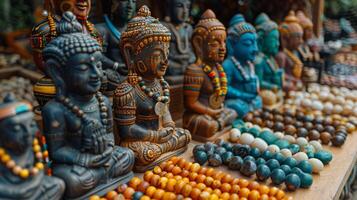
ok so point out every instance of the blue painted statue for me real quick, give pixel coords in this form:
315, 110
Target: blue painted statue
243, 83
266, 68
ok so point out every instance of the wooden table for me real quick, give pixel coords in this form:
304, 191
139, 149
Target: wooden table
327, 185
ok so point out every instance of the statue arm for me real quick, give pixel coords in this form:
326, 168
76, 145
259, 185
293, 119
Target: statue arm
193, 81
124, 105
54, 127
259, 71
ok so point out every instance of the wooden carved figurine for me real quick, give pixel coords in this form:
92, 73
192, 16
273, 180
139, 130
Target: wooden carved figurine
78, 123
291, 35
116, 17
180, 54
266, 68
46, 31
21, 160
243, 83
205, 82
141, 103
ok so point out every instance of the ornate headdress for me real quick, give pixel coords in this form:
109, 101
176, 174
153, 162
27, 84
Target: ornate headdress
71, 41
290, 25
264, 24
142, 30
207, 24
304, 21
10, 107
238, 26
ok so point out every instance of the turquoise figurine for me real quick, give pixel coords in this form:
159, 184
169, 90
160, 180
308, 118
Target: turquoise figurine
266, 68
243, 83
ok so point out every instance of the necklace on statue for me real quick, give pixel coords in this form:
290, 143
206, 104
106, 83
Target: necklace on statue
161, 107
242, 70
298, 65
186, 41
17, 170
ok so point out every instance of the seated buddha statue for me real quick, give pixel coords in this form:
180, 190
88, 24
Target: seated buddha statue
21, 167
116, 17
266, 68
46, 31
205, 82
78, 122
291, 38
308, 51
141, 103
180, 54
243, 83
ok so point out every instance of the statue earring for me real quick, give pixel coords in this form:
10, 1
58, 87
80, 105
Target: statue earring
66, 6
141, 67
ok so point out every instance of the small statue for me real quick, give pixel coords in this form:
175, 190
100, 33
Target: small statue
21, 169
78, 123
141, 103
308, 51
205, 82
119, 12
291, 38
243, 83
266, 68
46, 31
180, 54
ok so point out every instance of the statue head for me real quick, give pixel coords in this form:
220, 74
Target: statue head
124, 10
268, 35
80, 8
241, 39
17, 125
73, 59
306, 25
209, 39
291, 32
179, 10
145, 45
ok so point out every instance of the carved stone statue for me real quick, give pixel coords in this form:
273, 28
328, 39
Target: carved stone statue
205, 83
291, 35
118, 14
266, 68
21, 169
46, 31
141, 103
78, 123
243, 83
180, 54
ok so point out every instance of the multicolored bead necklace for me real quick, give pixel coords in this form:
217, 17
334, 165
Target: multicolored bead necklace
165, 98
18, 170
220, 82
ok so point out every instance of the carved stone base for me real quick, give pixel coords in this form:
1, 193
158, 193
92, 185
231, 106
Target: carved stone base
212, 138
102, 189
162, 158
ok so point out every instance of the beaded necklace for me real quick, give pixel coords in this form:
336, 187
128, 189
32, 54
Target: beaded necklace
242, 70
220, 82
18, 170
156, 95
80, 114
179, 42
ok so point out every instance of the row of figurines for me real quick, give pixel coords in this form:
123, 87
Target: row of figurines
78, 121
259, 46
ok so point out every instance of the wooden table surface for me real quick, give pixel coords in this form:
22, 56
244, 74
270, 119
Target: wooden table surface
327, 185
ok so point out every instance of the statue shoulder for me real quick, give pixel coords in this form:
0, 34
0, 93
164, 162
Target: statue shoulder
123, 95
52, 110
228, 65
194, 69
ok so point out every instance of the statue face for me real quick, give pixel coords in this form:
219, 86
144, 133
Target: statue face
152, 61
295, 40
80, 8
214, 47
271, 43
83, 73
124, 8
180, 10
245, 47
18, 132
308, 34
